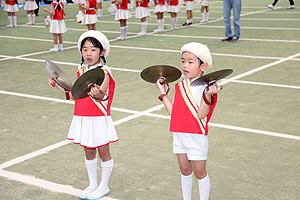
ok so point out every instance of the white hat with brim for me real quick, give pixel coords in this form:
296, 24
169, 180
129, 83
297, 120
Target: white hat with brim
97, 35
199, 50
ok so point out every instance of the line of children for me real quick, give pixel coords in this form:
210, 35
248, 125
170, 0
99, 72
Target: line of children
57, 24
122, 15
173, 9
159, 10
11, 8
29, 7
142, 12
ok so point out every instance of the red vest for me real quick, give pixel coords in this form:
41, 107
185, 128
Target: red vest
10, 2
124, 5
173, 3
144, 4
162, 2
91, 10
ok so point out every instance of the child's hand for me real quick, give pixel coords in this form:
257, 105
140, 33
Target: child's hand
94, 90
45, 9
161, 86
213, 89
51, 82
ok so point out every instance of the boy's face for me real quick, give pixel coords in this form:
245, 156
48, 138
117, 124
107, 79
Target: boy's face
190, 65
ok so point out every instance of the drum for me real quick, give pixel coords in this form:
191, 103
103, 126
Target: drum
112, 9
78, 16
47, 21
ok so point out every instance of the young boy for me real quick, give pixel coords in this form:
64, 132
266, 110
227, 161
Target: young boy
191, 108
189, 6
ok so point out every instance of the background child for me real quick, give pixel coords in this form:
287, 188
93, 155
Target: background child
57, 24
205, 6
189, 6
191, 108
92, 126
122, 15
11, 8
142, 12
292, 5
89, 18
173, 8
99, 8
159, 10
30, 6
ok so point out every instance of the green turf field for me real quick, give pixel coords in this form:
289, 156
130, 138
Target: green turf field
254, 137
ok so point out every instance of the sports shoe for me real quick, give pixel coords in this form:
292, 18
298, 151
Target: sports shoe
270, 6
54, 50
98, 194
169, 27
203, 22
142, 33
190, 23
236, 39
291, 7
87, 191
227, 39
60, 49
185, 24
9, 26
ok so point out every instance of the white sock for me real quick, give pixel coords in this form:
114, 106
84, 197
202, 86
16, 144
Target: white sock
10, 20
100, 11
15, 20
91, 167
106, 172
204, 188
172, 21
125, 32
122, 32
191, 20
33, 19
186, 186
207, 16
203, 16
61, 46
162, 24
176, 20
144, 27
158, 24
29, 19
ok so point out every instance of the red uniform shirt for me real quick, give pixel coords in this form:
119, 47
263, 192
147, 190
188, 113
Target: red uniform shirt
59, 15
124, 5
10, 2
144, 4
162, 2
91, 11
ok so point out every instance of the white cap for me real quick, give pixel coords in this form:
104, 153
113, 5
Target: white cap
97, 35
199, 50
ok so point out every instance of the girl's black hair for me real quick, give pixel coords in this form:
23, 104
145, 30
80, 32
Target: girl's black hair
96, 44
58, 6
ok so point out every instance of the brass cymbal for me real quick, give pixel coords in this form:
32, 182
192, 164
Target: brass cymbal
82, 85
168, 73
212, 77
58, 75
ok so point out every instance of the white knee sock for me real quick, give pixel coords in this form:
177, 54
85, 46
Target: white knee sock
15, 20
144, 27
100, 11
203, 16
10, 20
91, 166
186, 186
106, 172
204, 188
33, 19
172, 21
176, 20
162, 24
125, 32
29, 19
207, 16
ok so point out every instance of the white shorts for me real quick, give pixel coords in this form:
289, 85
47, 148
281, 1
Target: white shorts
205, 3
99, 1
194, 145
189, 5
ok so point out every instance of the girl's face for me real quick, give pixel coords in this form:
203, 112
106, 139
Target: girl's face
190, 65
91, 54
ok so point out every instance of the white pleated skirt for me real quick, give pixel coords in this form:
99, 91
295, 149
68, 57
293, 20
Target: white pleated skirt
122, 14
11, 8
30, 5
160, 9
57, 26
92, 132
173, 9
141, 12
89, 19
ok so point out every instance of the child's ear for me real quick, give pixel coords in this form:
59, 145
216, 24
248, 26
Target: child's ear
102, 52
203, 67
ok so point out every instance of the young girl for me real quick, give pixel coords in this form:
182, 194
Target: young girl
173, 8
92, 126
57, 24
89, 14
11, 8
30, 6
205, 6
191, 108
122, 15
99, 8
159, 10
142, 12
189, 6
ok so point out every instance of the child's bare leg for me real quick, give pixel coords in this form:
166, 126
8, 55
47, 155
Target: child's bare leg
60, 38
203, 179
55, 38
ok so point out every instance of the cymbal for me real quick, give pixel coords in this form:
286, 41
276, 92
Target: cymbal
82, 85
58, 75
168, 73
212, 77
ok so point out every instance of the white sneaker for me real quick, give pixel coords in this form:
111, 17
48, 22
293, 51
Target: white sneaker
169, 27
120, 38
270, 6
142, 33
9, 26
98, 194
291, 7
54, 50
203, 22
15, 25
87, 191
28, 23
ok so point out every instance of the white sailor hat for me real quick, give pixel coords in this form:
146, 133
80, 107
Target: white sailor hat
97, 35
199, 50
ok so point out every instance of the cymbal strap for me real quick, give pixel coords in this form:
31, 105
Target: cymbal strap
205, 99
67, 94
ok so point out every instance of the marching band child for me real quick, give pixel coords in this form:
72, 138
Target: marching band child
89, 18
99, 8
159, 10
122, 15
191, 108
189, 6
11, 8
142, 12
92, 126
30, 6
57, 23
173, 8
205, 6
